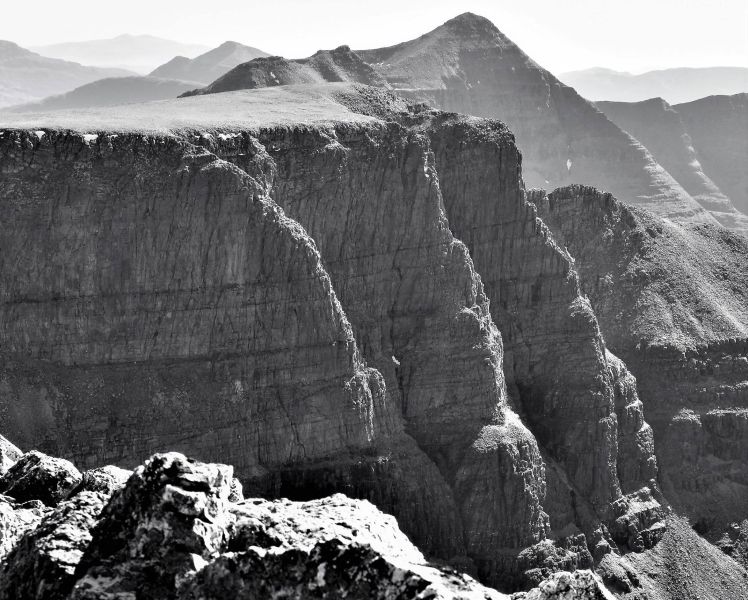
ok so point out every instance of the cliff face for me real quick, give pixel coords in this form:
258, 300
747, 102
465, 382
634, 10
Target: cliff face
672, 303
317, 296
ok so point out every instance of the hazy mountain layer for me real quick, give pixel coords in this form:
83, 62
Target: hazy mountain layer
140, 53
209, 66
675, 85
718, 127
662, 130
111, 92
26, 76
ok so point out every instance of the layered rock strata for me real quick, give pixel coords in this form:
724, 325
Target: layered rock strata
672, 303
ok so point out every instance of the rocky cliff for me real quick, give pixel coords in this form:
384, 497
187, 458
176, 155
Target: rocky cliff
671, 302
336, 292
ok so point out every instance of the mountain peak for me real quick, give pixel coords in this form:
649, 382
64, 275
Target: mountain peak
470, 23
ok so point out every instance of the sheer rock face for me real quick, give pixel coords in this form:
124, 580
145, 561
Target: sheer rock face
571, 390
148, 315
672, 303
371, 199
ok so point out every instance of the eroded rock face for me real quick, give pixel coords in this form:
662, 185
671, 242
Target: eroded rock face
672, 303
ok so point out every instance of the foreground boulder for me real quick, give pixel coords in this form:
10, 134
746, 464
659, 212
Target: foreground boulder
37, 476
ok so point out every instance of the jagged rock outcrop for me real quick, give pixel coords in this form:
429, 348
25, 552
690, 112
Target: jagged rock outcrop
672, 303
340, 64
662, 130
172, 531
36, 476
717, 126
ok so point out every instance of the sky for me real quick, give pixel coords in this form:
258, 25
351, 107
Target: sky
561, 35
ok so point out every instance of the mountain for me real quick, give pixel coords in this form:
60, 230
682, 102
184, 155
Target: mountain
674, 85
468, 66
718, 127
139, 53
338, 291
26, 76
110, 92
663, 130
209, 66
338, 65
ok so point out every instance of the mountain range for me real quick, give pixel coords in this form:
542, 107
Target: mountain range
674, 85
26, 76
138, 53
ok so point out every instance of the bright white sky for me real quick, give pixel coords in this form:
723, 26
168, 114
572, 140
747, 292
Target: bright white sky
562, 35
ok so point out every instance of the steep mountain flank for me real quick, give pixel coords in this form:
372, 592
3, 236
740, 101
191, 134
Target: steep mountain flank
467, 65
718, 126
662, 130
673, 303
316, 295
336, 65
26, 76
209, 66
111, 92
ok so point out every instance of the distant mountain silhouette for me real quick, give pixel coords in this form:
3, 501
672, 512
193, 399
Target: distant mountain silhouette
674, 85
111, 92
665, 133
26, 76
340, 64
209, 66
139, 53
